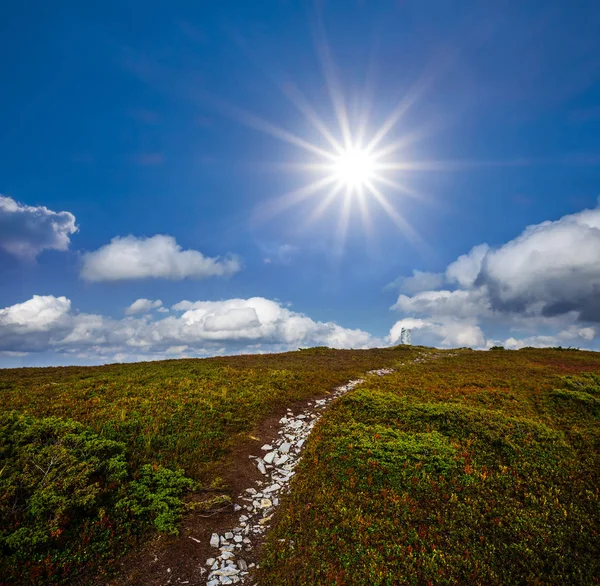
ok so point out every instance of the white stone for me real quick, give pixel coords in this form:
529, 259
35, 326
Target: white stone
270, 457
214, 540
230, 571
267, 448
284, 448
210, 561
281, 460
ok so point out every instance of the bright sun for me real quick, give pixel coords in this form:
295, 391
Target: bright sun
355, 165
354, 168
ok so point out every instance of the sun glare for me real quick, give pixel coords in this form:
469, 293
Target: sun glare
354, 168
354, 164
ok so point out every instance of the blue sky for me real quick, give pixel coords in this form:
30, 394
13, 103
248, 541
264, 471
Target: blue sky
134, 132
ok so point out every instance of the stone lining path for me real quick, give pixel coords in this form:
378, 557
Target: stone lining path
257, 504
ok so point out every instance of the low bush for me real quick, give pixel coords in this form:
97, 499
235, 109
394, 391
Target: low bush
68, 497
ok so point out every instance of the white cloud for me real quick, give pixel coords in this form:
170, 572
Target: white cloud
39, 314
143, 306
159, 256
25, 231
457, 304
553, 267
176, 349
543, 285
419, 281
47, 324
465, 269
573, 336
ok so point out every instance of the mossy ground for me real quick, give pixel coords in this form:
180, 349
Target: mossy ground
477, 467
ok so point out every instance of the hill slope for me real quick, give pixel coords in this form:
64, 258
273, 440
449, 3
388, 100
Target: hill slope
476, 468
92, 458
460, 466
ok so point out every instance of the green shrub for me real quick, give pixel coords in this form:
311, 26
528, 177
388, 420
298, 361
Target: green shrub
156, 494
67, 497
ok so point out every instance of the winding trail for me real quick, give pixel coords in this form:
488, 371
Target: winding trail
257, 504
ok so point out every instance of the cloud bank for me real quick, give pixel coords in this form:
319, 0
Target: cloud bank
545, 280
25, 231
49, 324
130, 258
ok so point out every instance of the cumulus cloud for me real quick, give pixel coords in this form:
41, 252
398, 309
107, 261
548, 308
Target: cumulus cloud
39, 314
25, 231
128, 258
466, 268
552, 268
48, 324
458, 304
143, 306
573, 336
419, 281
545, 281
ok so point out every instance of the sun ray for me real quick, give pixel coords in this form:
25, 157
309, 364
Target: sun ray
287, 88
399, 187
266, 127
394, 215
324, 204
365, 214
457, 165
343, 223
331, 81
301, 103
283, 202
296, 167
405, 104
400, 144
368, 95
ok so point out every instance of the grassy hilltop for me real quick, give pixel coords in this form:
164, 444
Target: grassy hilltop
475, 468
460, 467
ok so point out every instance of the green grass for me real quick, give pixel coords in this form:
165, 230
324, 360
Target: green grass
91, 458
479, 468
